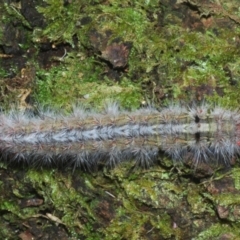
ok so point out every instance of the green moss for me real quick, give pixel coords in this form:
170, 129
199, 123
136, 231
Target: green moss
80, 82
129, 224
216, 230
171, 56
235, 173
13, 13
70, 203
61, 20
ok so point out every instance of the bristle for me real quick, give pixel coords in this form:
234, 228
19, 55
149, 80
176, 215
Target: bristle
87, 139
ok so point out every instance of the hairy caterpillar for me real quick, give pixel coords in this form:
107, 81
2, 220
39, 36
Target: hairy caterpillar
87, 138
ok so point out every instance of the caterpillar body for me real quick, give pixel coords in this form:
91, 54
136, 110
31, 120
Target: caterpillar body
86, 138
